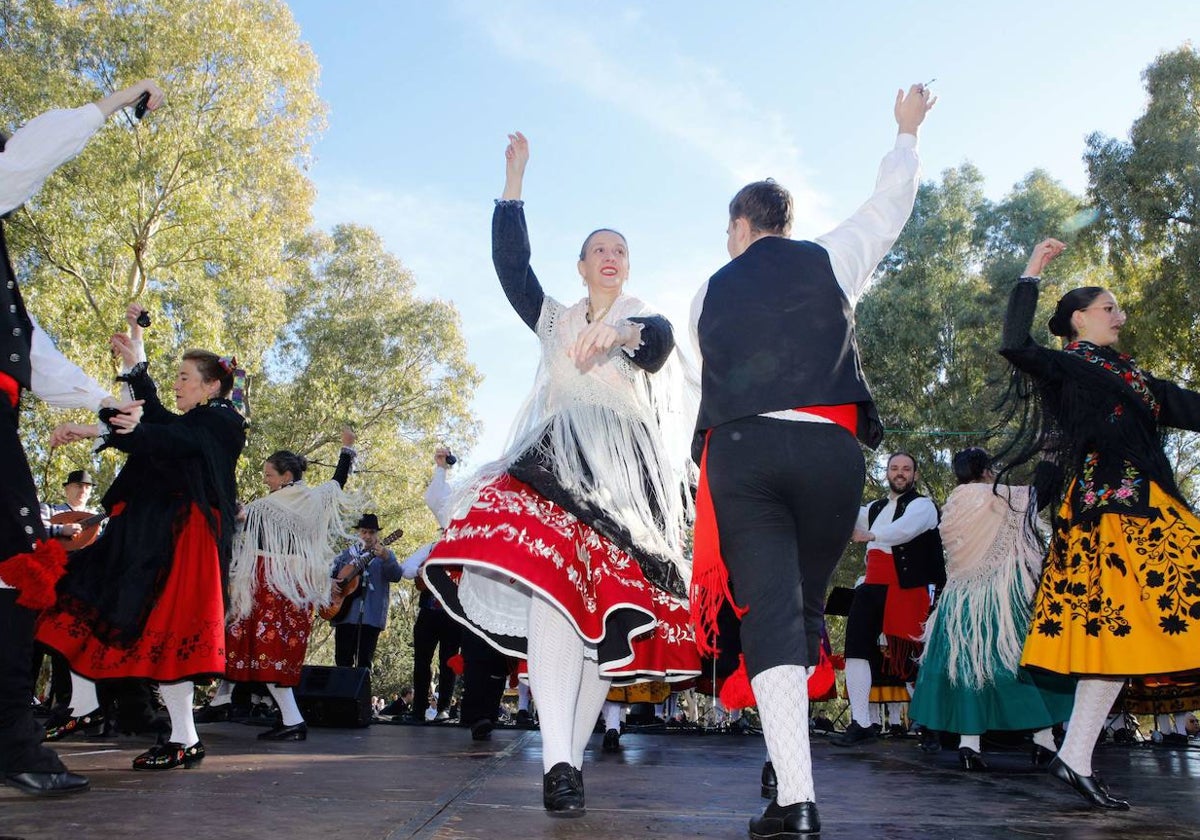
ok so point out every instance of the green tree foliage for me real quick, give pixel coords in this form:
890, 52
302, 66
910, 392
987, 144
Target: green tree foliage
1147, 190
189, 211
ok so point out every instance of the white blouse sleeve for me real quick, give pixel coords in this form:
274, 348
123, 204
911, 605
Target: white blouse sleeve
41, 146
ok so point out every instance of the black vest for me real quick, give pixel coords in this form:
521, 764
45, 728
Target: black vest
920, 561
777, 332
16, 330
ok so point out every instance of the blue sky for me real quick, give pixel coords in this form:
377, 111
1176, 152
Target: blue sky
647, 117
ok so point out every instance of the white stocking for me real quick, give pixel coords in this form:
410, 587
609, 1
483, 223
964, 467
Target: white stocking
83, 696
556, 658
858, 689
224, 694
1044, 738
1163, 722
971, 742
612, 715
1093, 700
782, 694
522, 696
286, 701
592, 690
177, 697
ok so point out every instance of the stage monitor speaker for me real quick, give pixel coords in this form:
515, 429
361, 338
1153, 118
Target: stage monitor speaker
339, 697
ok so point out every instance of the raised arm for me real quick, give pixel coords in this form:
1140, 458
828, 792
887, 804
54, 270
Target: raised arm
510, 237
1022, 302
857, 245
346, 459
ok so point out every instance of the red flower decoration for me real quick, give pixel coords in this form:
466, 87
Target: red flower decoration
36, 573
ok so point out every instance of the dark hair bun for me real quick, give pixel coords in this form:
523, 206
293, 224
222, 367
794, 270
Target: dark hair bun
1060, 325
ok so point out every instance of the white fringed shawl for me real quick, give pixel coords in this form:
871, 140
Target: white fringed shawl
633, 431
993, 559
292, 534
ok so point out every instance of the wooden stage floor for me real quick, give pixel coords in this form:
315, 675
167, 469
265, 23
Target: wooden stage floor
397, 782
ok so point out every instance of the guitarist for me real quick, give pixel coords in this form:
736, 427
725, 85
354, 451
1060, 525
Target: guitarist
356, 632
77, 490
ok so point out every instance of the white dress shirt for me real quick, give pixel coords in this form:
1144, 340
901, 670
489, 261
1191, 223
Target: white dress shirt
919, 516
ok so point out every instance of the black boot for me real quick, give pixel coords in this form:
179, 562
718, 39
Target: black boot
968, 759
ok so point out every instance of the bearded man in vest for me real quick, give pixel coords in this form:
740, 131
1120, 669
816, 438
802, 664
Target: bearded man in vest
903, 560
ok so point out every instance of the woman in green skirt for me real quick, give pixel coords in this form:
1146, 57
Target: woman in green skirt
970, 681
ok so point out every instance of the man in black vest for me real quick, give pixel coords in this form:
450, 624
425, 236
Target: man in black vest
903, 559
783, 398
29, 361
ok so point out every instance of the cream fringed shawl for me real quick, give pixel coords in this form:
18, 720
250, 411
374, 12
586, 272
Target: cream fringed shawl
628, 429
292, 534
993, 558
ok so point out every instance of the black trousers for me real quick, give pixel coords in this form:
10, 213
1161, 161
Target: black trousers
347, 641
21, 747
485, 673
786, 496
865, 623
434, 628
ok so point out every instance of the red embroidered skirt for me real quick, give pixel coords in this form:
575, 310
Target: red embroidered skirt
519, 537
268, 645
184, 635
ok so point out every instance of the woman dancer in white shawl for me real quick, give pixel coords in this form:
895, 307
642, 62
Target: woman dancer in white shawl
970, 681
571, 543
279, 573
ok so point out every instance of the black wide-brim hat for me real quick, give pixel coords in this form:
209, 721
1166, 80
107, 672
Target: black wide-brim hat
79, 477
369, 521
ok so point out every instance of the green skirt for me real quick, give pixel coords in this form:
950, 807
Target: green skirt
1011, 701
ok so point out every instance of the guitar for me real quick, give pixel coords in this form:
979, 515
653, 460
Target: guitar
89, 522
347, 584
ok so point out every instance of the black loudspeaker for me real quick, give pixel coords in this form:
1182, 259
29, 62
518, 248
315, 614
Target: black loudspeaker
338, 697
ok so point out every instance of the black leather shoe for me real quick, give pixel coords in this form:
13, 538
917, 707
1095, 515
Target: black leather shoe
208, 713
47, 784
612, 741
1041, 757
930, 742
856, 734
481, 730
63, 724
562, 791
1093, 792
968, 759
295, 732
789, 821
170, 755
770, 783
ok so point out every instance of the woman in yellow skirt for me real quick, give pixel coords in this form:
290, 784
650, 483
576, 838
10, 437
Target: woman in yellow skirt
1120, 590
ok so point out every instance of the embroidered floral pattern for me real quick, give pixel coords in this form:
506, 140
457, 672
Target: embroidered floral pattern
1090, 496
1113, 578
269, 644
1121, 365
511, 528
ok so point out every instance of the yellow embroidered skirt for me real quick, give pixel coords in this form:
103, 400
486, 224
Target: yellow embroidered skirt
1120, 596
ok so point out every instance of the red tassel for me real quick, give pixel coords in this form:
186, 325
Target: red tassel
736, 692
710, 578
36, 574
822, 684
455, 664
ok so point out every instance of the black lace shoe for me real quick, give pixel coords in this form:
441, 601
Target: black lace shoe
1093, 791
524, 720
47, 784
62, 724
770, 783
481, 730
164, 756
295, 732
968, 759
208, 713
785, 822
562, 791
1041, 757
612, 741
856, 734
